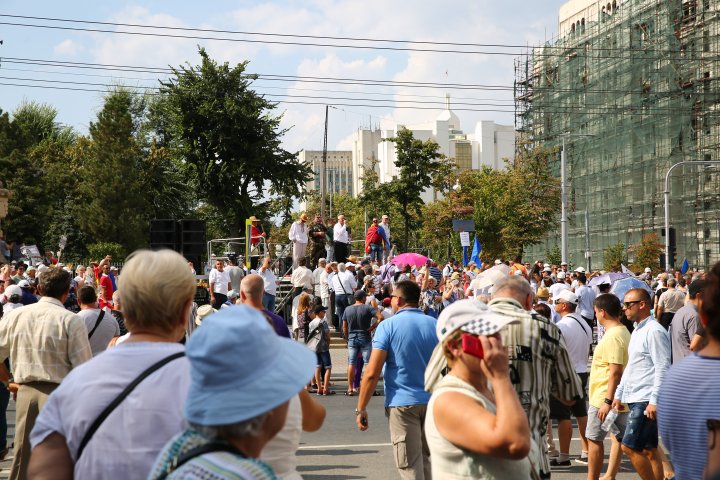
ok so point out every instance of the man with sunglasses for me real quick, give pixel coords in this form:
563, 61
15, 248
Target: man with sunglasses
648, 361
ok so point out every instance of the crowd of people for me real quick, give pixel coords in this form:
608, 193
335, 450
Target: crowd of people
124, 375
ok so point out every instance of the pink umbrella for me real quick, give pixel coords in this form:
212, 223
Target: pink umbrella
414, 259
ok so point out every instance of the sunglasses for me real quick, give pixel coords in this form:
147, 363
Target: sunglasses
628, 305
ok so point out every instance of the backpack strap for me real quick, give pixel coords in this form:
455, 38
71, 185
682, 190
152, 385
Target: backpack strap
97, 324
179, 461
118, 400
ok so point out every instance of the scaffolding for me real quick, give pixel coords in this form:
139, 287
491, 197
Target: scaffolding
633, 90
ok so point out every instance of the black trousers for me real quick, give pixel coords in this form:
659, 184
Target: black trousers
341, 252
219, 300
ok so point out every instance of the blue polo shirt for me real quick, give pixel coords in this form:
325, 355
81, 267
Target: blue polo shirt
409, 338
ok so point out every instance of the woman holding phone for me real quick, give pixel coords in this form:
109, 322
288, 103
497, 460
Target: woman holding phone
473, 431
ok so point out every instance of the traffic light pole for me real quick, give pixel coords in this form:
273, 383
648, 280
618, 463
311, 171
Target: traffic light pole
668, 264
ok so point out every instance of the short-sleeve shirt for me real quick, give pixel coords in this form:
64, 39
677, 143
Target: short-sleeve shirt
236, 275
683, 328
688, 397
409, 338
322, 345
613, 348
671, 300
220, 281
578, 338
359, 317
138, 428
105, 331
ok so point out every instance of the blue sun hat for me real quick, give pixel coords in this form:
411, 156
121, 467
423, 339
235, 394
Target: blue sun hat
240, 368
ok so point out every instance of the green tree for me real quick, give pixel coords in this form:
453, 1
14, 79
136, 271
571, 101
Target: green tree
613, 257
227, 137
32, 128
553, 255
647, 253
114, 204
419, 164
532, 198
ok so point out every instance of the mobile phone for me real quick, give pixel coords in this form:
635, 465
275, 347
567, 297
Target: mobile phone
363, 422
471, 345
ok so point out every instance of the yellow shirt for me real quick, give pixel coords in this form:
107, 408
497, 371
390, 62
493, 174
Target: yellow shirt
613, 348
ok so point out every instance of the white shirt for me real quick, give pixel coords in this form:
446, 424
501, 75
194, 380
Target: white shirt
298, 232
578, 338
324, 287
344, 283
556, 288
220, 281
302, 277
317, 273
340, 233
269, 279
586, 298
105, 331
137, 429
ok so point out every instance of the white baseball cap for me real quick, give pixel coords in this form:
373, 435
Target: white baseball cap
567, 296
648, 270
580, 270
561, 275
547, 269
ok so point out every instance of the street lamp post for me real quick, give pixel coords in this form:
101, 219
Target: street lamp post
666, 193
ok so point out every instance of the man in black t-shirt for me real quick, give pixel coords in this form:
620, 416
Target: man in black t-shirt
357, 325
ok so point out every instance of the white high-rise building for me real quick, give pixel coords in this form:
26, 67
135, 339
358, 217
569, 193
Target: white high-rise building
488, 145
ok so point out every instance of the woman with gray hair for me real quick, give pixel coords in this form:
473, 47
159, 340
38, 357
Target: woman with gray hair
109, 422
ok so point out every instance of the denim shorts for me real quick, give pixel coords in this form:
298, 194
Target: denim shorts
640, 432
359, 342
597, 434
323, 360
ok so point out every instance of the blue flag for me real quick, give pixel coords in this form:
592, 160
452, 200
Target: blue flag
685, 267
475, 256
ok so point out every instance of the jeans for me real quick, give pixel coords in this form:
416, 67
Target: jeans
269, 301
359, 342
330, 250
640, 432
376, 251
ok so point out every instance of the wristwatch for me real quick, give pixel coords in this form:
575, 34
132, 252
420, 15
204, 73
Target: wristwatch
608, 401
359, 412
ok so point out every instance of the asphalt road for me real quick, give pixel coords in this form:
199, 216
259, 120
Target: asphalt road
340, 451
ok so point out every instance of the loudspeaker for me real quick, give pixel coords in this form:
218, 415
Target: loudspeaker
193, 241
164, 234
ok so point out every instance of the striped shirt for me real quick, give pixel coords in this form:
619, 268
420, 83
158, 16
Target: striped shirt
43, 341
540, 367
214, 465
688, 397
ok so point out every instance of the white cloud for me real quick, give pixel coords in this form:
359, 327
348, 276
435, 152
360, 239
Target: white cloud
68, 48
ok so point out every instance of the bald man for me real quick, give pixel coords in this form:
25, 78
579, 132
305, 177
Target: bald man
252, 288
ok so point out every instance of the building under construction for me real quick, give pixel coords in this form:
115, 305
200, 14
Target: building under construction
632, 88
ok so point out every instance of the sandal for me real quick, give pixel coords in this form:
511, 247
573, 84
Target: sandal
350, 394
376, 393
329, 392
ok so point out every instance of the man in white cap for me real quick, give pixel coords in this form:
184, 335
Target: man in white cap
385, 225
559, 286
564, 266
578, 338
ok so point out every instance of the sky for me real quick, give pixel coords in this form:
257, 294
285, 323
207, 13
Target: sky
380, 100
